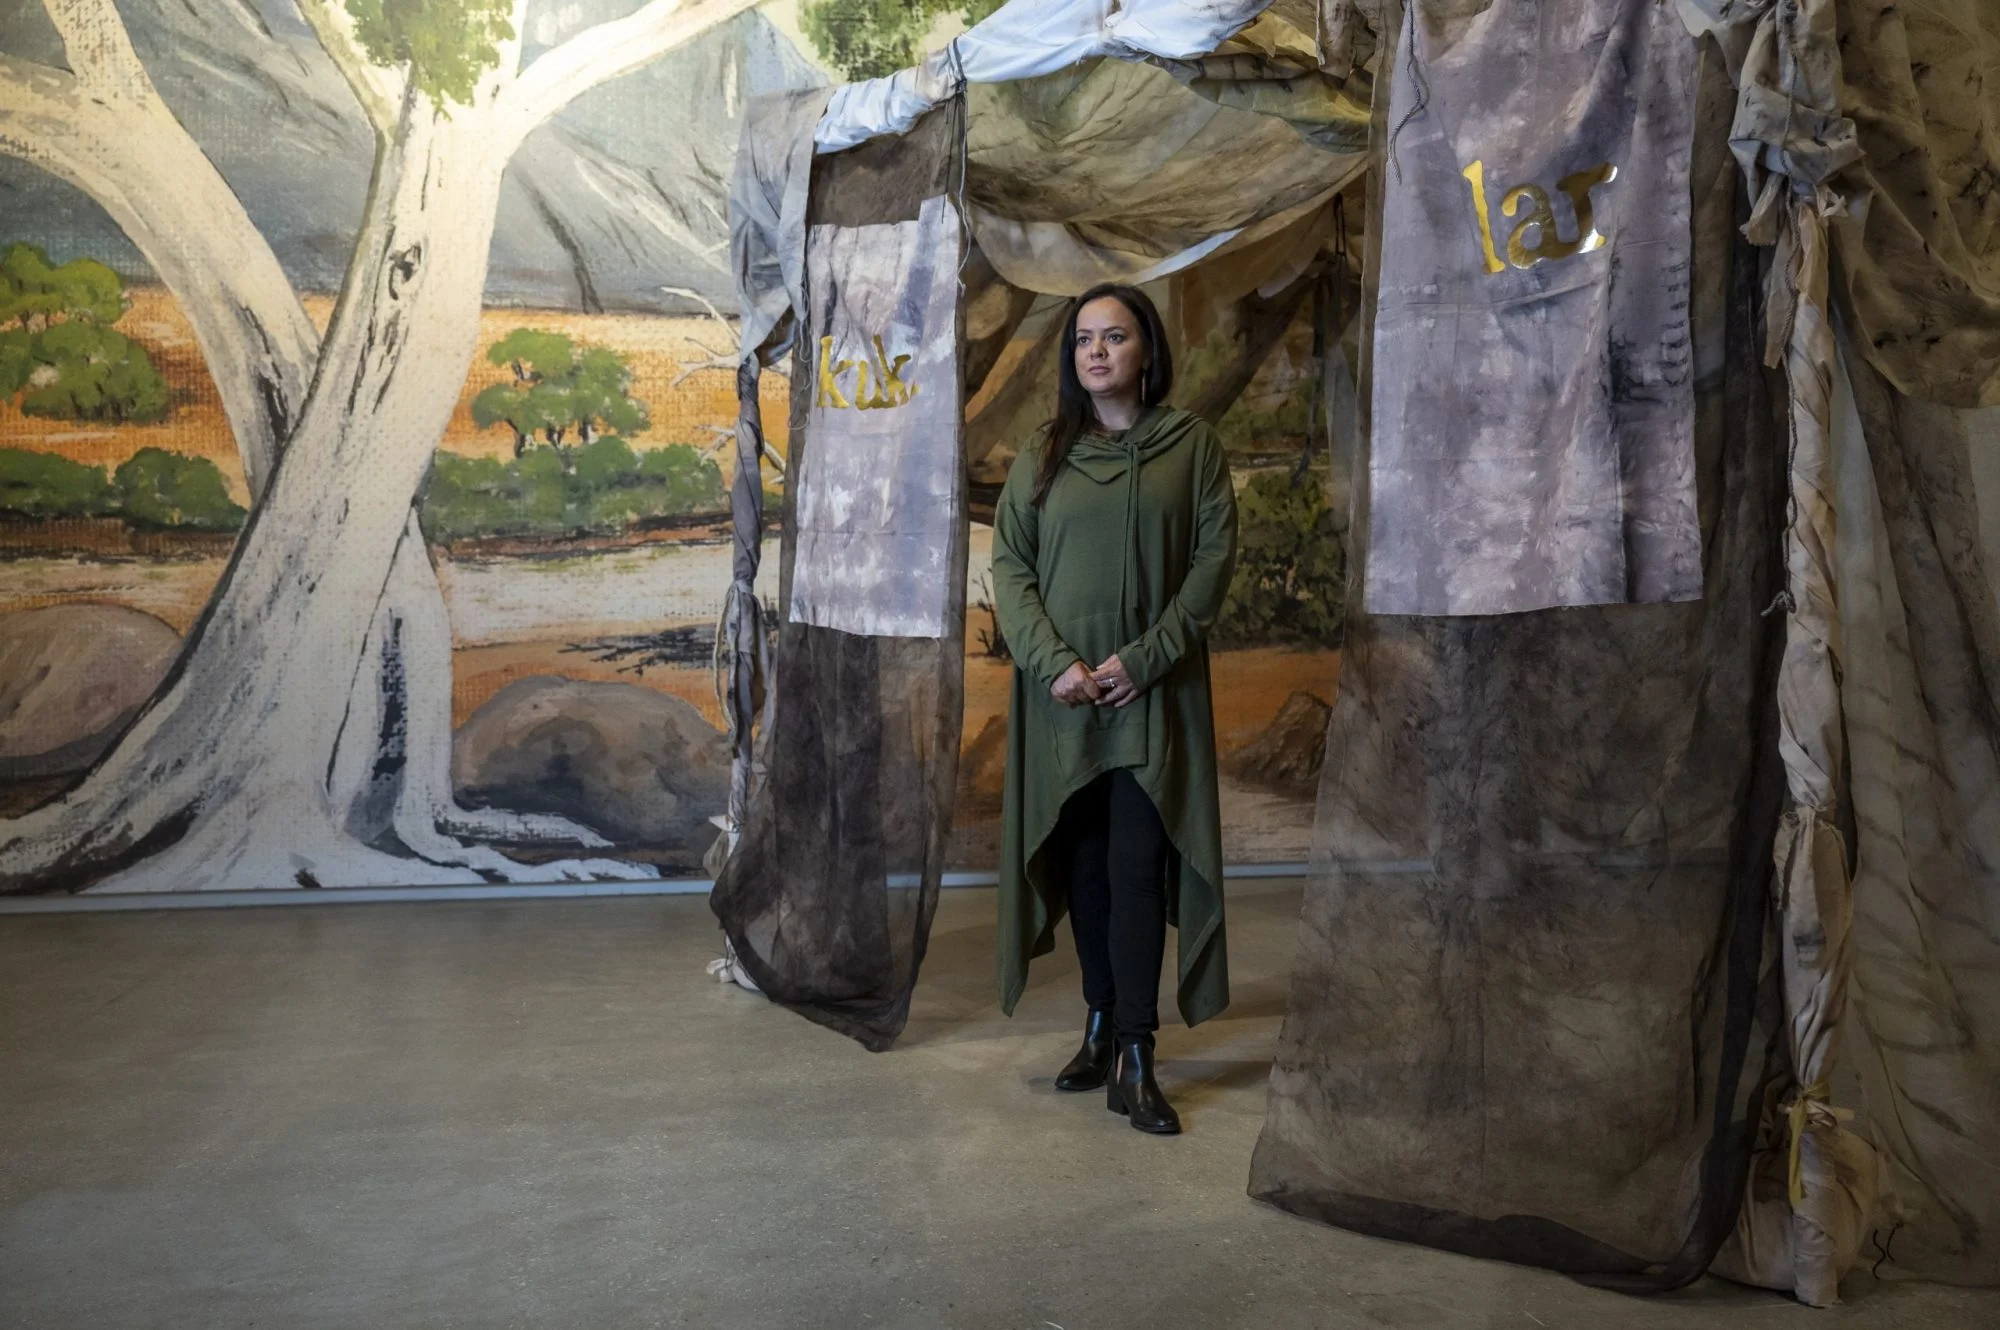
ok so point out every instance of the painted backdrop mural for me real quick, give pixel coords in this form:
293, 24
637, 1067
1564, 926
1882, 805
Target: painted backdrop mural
365, 372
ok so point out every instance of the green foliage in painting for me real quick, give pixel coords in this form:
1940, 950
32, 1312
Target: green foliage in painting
605, 464
600, 394
535, 355
17, 361
93, 373
602, 487
1290, 568
522, 408
445, 44
153, 488
156, 488
1279, 429
57, 346
40, 486
689, 482
866, 39
1200, 365
559, 388
35, 293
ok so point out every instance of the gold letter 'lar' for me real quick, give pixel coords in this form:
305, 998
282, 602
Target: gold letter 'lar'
1548, 242
1476, 175
829, 372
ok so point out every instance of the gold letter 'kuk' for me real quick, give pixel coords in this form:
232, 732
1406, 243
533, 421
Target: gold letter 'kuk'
878, 380
1539, 224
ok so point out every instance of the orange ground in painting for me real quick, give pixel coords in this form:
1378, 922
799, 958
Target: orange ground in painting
657, 348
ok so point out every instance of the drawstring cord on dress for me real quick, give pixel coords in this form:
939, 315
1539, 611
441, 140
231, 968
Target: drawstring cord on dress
1128, 592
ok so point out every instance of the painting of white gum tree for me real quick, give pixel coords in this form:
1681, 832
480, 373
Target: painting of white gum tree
304, 735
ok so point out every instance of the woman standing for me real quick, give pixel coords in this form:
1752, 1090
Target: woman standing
1113, 545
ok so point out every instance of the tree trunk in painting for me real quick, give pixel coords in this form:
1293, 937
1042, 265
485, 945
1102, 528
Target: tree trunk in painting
308, 718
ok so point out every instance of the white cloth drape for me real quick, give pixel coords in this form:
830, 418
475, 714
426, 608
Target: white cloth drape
1025, 39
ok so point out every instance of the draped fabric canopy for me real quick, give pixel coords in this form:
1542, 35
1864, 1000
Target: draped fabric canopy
1894, 107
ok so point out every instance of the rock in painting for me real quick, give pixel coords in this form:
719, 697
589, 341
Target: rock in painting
71, 677
638, 766
1287, 756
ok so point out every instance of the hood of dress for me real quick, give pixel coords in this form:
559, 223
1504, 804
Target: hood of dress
1105, 458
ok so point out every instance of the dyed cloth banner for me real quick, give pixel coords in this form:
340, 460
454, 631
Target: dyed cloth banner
1533, 384
877, 500
829, 894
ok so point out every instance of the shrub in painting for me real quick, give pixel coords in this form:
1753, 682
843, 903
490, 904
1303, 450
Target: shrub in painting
156, 488
41, 486
153, 488
58, 351
606, 488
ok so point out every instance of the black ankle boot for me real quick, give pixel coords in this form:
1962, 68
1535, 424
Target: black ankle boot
1091, 1066
1134, 1093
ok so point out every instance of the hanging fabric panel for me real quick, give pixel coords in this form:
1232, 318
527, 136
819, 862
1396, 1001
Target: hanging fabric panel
1534, 1011
829, 896
1534, 398
1526, 1020
877, 497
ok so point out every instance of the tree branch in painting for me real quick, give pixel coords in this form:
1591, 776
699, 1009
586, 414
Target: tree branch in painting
378, 90
304, 735
611, 50
124, 149
98, 47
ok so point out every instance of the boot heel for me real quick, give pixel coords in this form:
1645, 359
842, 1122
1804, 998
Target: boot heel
1136, 1094
1112, 1099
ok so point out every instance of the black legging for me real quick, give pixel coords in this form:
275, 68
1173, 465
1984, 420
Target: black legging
1116, 850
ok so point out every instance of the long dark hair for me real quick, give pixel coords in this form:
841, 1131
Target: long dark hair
1074, 411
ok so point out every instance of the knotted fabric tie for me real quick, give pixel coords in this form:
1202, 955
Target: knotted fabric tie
1811, 1108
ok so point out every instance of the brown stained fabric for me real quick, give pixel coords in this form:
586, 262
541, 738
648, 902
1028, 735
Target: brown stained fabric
993, 312
1921, 697
1532, 1008
1103, 170
1521, 1018
1921, 269
1892, 107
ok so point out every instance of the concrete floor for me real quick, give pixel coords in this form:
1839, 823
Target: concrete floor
545, 1114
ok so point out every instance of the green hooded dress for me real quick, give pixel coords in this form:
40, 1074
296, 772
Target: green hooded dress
1131, 554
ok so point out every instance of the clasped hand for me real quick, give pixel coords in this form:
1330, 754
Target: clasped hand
1106, 686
